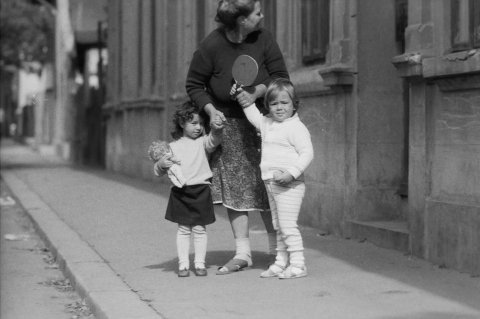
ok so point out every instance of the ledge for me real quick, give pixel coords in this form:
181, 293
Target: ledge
409, 64
453, 64
155, 103
337, 76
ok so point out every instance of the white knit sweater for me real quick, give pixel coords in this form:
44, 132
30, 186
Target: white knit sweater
286, 146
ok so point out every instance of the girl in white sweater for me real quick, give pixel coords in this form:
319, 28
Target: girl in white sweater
190, 205
286, 152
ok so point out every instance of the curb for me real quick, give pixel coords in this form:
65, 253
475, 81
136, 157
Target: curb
106, 294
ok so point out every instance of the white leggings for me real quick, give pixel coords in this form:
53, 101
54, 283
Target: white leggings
199, 243
285, 203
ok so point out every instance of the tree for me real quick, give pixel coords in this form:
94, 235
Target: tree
26, 31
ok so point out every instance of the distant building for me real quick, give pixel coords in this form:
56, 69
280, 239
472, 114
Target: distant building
389, 91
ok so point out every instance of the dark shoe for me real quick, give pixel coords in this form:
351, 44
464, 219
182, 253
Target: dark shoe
200, 272
183, 273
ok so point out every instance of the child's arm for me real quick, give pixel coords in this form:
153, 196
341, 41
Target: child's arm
161, 166
301, 140
251, 111
214, 138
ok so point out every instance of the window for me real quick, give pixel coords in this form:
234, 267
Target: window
401, 23
269, 9
315, 30
200, 20
465, 24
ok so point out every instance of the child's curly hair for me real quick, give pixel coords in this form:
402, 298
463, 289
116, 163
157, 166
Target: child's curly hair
182, 115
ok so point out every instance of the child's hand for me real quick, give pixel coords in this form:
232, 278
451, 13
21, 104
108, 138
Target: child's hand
282, 178
244, 98
217, 125
166, 162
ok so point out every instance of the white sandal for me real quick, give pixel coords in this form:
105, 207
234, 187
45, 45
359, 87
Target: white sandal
293, 272
272, 271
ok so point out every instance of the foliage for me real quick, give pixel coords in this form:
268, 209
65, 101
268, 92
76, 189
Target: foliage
27, 32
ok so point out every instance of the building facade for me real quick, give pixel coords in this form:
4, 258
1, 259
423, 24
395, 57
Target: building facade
376, 94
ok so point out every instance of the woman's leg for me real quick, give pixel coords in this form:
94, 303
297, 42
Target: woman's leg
271, 232
239, 223
183, 246
200, 245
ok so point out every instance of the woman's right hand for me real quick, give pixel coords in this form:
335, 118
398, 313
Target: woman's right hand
216, 116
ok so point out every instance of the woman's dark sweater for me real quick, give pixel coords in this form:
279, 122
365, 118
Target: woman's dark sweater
210, 79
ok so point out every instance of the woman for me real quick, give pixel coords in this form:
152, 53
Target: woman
236, 175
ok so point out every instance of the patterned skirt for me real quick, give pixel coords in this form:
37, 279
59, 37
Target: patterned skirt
235, 164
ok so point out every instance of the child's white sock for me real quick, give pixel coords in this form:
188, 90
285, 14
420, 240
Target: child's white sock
200, 245
297, 259
243, 249
183, 246
282, 258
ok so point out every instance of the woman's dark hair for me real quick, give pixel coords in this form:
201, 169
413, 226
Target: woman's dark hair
278, 85
183, 114
228, 11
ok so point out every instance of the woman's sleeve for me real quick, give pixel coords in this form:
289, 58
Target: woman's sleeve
274, 62
198, 76
302, 142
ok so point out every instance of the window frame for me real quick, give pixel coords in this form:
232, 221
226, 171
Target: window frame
471, 27
315, 30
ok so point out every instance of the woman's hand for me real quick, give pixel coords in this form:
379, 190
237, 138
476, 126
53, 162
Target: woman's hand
216, 117
216, 125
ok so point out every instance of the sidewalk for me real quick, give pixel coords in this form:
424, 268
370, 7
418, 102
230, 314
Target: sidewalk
111, 239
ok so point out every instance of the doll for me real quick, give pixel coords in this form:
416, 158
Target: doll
159, 149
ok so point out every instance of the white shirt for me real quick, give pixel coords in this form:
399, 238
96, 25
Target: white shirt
286, 146
193, 157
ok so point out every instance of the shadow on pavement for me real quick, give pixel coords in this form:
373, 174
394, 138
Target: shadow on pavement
214, 258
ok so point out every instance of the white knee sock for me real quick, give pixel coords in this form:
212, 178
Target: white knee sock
183, 246
297, 259
282, 258
200, 245
243, 249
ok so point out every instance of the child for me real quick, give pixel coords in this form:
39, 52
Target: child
191, 206
286, 152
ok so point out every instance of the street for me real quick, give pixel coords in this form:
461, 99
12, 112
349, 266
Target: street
32, 286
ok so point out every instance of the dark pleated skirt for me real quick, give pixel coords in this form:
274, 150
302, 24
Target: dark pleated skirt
190, 205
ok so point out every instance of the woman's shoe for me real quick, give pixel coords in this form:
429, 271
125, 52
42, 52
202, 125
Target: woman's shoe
293, 272
233, 265
183, 272
200, 272
272, 271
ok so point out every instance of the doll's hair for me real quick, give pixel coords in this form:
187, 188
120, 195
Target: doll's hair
228, 11
183, 114
278, 85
